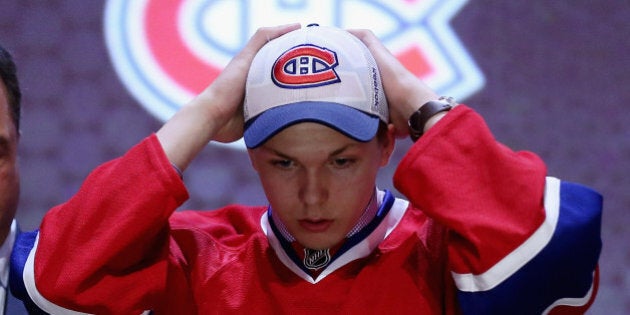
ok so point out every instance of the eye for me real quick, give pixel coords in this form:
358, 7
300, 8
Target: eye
284, 163
342, 162
5, 148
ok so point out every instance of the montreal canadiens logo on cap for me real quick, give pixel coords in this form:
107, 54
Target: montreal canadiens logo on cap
167, 51
305, 66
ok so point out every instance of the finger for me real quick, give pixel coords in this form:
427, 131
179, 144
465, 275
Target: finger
236, 70
366, 36
265, 34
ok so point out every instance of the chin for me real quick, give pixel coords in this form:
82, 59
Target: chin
318, 244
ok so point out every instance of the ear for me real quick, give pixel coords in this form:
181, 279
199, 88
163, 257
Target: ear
388, 143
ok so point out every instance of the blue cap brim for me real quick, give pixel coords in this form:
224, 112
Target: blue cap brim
351, 122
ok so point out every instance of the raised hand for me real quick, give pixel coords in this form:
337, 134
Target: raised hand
216, 113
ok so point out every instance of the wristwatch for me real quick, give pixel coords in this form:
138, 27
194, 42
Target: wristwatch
419, 118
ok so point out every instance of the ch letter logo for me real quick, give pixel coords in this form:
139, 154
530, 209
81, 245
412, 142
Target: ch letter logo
305, 66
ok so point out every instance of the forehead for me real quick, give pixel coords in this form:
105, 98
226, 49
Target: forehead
309, 132
4, 98
310, 140
5, 119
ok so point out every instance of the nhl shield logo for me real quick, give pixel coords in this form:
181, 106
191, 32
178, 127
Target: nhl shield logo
167, 51
314, 259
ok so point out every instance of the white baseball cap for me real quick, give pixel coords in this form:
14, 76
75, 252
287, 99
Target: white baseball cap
314, 74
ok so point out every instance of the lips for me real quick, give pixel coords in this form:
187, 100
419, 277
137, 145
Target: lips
315, 226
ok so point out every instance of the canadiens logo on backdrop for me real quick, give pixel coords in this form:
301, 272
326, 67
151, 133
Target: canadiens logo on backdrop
167, 51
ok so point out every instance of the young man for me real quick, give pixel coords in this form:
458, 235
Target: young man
484, 230
10, 111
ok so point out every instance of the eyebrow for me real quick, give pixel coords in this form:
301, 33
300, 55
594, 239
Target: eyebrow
341, 150
283, 155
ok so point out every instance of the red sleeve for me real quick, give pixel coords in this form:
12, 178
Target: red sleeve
488, 195
110, 241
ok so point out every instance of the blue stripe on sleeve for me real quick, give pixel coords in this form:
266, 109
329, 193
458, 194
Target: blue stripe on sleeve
564, 268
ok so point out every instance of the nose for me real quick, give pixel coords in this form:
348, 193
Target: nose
314, 188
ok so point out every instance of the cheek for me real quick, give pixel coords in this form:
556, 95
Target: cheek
363, 176
352, 191
278, 190
9, 190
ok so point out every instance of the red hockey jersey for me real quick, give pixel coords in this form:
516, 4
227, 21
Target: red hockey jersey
485, 231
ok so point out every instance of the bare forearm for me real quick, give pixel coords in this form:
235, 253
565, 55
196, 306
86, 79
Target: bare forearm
187, 133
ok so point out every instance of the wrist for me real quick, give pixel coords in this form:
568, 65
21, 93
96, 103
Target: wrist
428, 115
433, 120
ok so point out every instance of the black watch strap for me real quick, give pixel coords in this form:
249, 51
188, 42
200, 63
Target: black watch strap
419, 118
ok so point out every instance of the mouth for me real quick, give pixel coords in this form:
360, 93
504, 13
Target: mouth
315, 226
